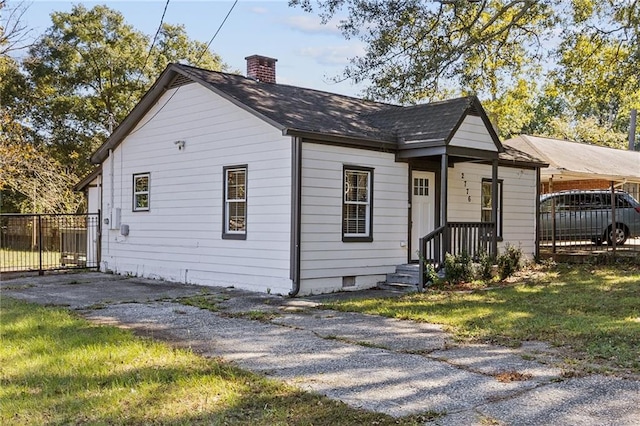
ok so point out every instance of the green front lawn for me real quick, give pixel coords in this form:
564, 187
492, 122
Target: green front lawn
595, 312
56, 368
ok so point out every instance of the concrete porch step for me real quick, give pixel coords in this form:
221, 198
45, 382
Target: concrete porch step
405, 274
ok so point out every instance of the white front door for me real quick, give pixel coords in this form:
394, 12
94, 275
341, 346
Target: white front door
422, 207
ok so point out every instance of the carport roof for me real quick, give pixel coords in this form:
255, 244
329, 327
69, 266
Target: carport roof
573, 160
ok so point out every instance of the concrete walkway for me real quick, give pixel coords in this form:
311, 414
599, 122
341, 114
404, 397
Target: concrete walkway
380, 364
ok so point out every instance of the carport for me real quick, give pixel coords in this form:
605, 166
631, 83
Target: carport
576, 166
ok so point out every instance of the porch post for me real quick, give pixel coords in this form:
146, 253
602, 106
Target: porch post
444, 178
494, 206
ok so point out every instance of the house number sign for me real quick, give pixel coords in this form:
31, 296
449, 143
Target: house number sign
465, 187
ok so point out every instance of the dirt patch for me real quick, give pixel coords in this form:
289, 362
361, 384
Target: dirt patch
512, 376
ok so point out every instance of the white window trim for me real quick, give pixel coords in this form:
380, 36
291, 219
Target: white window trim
137, 176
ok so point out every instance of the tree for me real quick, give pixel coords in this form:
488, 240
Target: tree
415, 49
585, 51
13, 31
89, 70
598, 66
79, 80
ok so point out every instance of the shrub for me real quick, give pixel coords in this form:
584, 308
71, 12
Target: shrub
458, 268
509, 261
485, 265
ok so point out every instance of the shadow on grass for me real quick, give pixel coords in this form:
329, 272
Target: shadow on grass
59, 369
595, 311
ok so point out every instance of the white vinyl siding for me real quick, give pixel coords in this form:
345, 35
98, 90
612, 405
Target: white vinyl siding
325, 258
180, 238
473, 134
518, 203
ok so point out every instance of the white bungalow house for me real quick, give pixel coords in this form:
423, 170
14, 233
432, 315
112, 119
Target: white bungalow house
220, 179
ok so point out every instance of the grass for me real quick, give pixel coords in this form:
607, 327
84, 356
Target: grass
594, 312
56, 368
24, 260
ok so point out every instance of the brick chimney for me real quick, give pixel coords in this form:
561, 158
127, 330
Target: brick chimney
261, 68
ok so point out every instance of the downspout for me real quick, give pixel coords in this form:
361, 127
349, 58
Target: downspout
100, 217
296, 214
536, 226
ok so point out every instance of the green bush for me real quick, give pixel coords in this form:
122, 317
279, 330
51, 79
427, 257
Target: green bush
485, 265
509, 261
458, 268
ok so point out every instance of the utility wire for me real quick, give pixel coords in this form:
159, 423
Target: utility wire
153, 42
155, 37
216, 33
195, 64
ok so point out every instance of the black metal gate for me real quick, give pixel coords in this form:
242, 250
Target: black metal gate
589, 222
47, 242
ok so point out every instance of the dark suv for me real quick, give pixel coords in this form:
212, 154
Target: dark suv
587, 215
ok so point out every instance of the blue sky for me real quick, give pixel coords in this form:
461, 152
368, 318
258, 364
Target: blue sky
308, 53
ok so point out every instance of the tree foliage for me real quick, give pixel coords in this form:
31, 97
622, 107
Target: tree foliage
534, 63
88, 71
81, 78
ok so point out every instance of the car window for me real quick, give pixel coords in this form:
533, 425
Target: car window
622, 202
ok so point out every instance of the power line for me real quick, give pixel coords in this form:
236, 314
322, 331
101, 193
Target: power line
155, 37
195, 64
153, 42
217, 31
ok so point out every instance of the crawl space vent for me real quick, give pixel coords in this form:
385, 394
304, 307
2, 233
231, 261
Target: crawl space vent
348, 281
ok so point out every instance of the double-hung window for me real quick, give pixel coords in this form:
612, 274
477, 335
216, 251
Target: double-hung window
235, 203
485, 207
141, 183
357, 204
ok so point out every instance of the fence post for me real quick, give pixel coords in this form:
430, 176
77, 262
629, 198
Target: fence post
614, 225
40, 270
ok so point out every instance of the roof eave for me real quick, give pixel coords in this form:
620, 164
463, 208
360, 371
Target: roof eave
136, 114
345, 139
85, 181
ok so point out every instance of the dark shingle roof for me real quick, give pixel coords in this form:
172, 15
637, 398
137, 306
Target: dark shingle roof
299, 108
317, 114
434, 121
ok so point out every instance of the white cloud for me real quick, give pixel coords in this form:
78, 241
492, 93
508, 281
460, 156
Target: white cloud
259, 10
312, 25
333, 55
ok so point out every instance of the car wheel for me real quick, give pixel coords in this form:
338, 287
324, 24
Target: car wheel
620, 235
